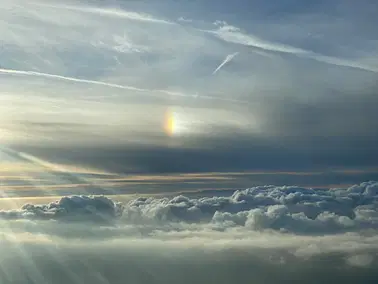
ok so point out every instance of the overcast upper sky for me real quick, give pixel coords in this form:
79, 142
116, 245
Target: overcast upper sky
191, 86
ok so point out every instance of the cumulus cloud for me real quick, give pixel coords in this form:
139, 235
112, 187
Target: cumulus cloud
269, 234
70, 208
287, 209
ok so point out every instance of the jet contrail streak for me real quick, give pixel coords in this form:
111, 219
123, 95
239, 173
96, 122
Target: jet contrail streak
115, 13
225, 61
85, 81
148, 92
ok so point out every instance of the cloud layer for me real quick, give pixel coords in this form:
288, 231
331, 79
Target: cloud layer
268, 234
194, 260
107, 74
287, 209
140, 56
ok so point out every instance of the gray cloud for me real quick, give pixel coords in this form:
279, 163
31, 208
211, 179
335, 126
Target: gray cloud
70, 208
223, 149
194, 260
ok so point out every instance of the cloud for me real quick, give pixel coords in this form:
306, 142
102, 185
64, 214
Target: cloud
264, 233
225, 61
146, 92
72, 208
102, 62
78, 80
291, 209
200, 260
108, 80
232, 34
85, 73
182, 19
288, 209
110, 12
296, 145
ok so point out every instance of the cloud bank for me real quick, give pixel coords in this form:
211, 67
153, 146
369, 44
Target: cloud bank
287, 209
269, 234
71, 208
198, 260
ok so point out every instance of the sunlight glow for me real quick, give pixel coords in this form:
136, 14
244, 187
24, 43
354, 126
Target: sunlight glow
176, 124
170, 123
5, 135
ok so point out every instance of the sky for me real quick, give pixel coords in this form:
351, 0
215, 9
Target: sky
136, 87
188, 141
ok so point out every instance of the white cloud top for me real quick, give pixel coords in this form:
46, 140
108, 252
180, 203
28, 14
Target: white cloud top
287, 209
263, 233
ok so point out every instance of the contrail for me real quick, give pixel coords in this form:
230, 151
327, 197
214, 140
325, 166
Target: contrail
261, 44
86, 81
225, 61
149, 92
73, 79
114, 13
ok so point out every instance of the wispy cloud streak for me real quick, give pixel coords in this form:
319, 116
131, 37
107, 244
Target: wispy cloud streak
95, 82
110, 12
225, 61
234, 35
148, 92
